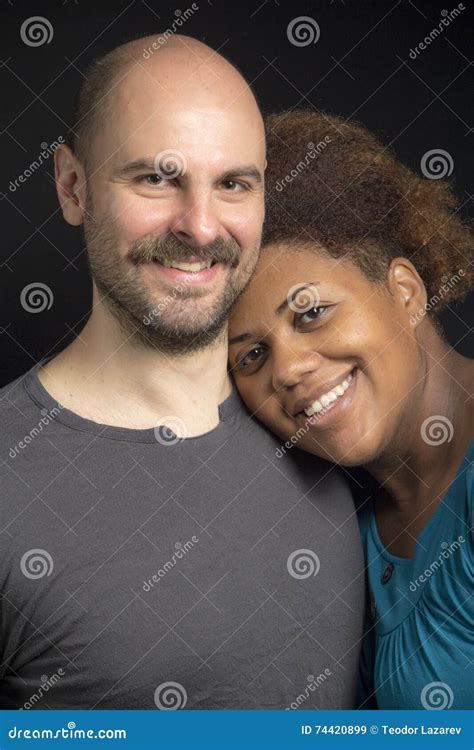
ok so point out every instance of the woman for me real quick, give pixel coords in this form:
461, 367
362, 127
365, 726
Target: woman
335, 345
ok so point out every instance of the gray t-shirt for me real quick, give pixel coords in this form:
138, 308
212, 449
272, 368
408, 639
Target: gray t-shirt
141, 571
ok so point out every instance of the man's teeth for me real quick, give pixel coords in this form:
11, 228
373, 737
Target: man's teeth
329, 397
183, 266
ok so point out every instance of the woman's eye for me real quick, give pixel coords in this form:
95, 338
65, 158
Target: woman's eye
250, 358
311, 315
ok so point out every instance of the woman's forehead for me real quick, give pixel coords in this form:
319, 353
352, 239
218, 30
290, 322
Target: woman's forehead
279, 275
281, 264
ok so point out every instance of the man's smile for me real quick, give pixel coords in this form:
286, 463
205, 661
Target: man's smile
192, 272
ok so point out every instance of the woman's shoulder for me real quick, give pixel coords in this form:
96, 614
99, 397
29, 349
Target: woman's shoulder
363, 487
465, 475
469, 482
460, 500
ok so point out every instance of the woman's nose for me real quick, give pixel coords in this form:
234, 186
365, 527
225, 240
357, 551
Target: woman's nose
290, 365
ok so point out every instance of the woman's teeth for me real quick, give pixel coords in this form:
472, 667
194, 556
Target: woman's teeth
183, 266
329, 397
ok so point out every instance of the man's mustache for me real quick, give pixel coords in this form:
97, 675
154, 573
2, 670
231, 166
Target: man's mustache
170, 247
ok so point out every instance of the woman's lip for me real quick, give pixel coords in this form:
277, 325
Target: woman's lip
186, 278
304, 403
333, 411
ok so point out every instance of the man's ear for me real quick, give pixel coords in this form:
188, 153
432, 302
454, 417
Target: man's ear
407, 289
70, 184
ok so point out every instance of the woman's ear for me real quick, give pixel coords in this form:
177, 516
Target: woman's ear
407, 289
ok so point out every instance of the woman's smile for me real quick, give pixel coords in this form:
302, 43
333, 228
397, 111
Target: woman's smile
328, 408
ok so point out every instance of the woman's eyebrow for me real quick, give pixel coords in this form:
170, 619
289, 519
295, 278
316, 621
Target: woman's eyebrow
239, 338
308, 285
294, 294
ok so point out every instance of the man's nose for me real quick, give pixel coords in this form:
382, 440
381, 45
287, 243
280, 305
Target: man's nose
291, 364
196, 221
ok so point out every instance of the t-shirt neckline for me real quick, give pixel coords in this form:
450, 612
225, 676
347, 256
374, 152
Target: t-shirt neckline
227, 409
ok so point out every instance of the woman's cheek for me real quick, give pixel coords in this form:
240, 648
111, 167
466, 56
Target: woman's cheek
248, 394
363, 334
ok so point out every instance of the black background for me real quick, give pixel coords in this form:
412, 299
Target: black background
359, 68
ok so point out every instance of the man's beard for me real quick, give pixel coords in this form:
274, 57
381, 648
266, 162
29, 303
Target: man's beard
178, 321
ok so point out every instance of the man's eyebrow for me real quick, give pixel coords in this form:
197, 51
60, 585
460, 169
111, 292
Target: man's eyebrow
137, 165
249, 170
148, 165
294, 294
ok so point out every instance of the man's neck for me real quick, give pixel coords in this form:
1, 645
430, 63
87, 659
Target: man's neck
111, 379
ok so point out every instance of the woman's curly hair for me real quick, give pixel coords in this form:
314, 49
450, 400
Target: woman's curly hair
331, 183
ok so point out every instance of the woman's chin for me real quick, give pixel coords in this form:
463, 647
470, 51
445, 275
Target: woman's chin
347, 447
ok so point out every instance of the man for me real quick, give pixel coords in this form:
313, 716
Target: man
160, 549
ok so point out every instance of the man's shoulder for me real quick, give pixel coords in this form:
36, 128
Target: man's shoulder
18, 412
13, 397
310, 473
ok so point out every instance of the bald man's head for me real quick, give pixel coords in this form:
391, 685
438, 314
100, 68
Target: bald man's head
178, 67
166, 175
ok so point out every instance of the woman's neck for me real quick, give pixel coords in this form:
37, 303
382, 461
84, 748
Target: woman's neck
423, 458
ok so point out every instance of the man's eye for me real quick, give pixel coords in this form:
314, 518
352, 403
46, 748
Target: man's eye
152, 179
232, 186
315, 313
250, 358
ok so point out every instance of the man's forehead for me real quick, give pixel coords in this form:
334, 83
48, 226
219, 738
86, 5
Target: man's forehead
210, 136
174, 75
211, 116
